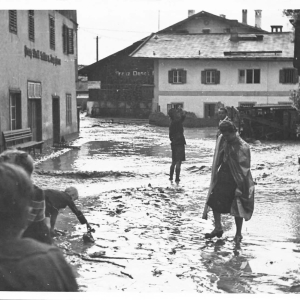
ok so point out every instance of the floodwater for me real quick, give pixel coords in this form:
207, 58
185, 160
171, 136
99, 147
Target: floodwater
149, 235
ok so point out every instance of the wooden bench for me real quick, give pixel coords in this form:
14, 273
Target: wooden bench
21, 139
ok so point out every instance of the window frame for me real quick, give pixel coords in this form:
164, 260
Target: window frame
68, 109
15, 118
284, 76
177, 76
31, 29
250, 76
214, 76
13, 21
52, 32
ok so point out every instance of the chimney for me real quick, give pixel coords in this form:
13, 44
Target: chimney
222, 16
190, 12
244, 16
258, 18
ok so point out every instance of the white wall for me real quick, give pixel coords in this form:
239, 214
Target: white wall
194, 94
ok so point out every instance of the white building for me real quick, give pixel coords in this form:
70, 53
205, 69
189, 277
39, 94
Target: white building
197, 66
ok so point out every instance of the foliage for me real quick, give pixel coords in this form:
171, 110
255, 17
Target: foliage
295, 97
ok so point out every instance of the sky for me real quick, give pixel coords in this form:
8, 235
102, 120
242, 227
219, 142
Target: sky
119, 23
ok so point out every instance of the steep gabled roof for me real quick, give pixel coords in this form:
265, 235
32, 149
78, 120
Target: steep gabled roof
233, 23
218, 46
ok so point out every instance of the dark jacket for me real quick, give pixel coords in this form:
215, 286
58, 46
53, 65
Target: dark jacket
176, 133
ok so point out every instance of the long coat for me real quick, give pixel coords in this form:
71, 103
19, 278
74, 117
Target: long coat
237, 153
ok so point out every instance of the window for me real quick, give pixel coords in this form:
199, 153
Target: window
177, 76
34, 90
288, 76
209, 110
206, 30
68, 40
31, 25
13, 21
68, 110
210, 77
249, 76
15, 110
52, 32
175, 105
246, 104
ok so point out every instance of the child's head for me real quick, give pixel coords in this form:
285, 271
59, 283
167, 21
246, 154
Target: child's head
16, 192
71, 191
19, 158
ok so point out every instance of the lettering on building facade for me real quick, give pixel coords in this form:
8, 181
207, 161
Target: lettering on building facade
33, 53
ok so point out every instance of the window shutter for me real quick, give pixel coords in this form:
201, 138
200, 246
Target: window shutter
65, 39
183, 76
70, 41
218, 75
206, 110
203, 77
296, 79
281, 76
171, 76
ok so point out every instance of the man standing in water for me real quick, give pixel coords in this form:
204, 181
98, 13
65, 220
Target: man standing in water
177, 141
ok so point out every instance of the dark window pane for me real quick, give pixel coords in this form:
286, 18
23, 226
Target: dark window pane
257, 76
249, 76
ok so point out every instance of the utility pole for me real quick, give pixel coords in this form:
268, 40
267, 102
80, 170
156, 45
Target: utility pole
97, 48
296, 61
158, 20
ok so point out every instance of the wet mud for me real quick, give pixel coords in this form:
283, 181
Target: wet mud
149, 235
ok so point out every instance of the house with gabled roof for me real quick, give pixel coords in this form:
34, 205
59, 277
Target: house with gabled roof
127, 82
200, 70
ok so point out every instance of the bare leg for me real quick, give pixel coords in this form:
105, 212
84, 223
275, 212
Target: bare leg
239, 225
178, 165
172, 170
217, 218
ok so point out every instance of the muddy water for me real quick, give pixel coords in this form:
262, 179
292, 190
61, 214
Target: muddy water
149, 231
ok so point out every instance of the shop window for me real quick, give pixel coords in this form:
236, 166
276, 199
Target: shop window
52, 32
289, 76
68, 110
210, 77
13, 28
209, 110
31, 25
68, 40
177, 76
15, 110
249, 76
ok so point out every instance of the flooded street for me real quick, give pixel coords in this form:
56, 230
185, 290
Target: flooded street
149, 232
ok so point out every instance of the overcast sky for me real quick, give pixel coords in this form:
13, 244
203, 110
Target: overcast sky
119, 23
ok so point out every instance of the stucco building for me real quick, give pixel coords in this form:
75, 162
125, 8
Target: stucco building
38, 72
207, 59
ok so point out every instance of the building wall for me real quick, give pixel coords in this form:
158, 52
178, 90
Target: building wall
18, 69
194, 94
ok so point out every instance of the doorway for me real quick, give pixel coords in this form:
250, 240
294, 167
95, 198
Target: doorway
56, 119
35, 118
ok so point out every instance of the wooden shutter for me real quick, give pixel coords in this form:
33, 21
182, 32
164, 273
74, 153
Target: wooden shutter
13, 21
31, 25
218, 75
296, 79
281, 76
171, 76
203, 77
206, 110
65, 39
183, 76
70, 41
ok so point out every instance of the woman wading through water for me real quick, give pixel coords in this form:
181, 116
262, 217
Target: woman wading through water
231, 188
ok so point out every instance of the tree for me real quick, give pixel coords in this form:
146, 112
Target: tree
295, 97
